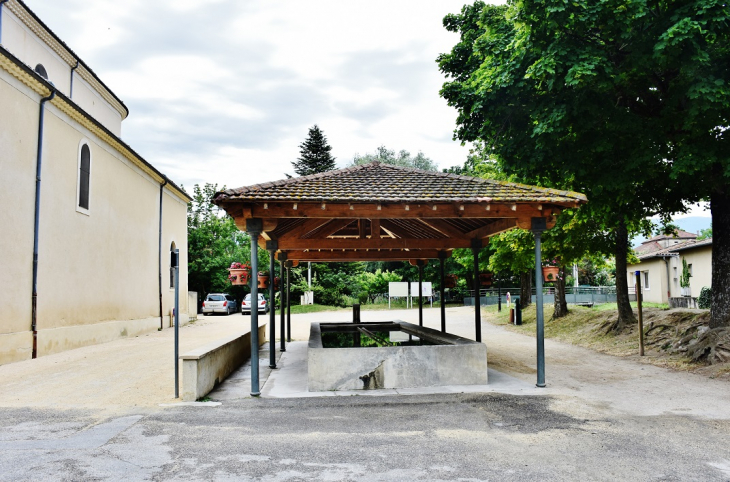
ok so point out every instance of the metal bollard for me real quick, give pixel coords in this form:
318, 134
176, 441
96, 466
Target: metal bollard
518, 312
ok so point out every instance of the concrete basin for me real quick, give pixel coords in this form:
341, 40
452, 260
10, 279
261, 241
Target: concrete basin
446, 360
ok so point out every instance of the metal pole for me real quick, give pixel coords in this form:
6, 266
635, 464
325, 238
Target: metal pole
420, 292
476, 245
639, 299
177, 322
538, 226
271, 245
442, 259
499, 295
254, 227
288, 302
282, 259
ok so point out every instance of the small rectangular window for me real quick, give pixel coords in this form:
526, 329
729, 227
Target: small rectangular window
646, 280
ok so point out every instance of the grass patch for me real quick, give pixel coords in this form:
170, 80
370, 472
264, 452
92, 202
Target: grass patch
612, 306
663, 330
298, 309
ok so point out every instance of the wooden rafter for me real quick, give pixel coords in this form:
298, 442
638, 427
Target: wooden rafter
363, 255
383, 243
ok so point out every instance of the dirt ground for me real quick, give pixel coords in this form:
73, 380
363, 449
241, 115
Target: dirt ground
668, 334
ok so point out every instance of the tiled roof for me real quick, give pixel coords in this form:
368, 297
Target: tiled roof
377, 182
648, 247
679, 234
673, 250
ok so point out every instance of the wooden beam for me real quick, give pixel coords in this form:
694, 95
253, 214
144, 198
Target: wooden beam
443, 227
383, 243
332, 227
493, 228
375, 228
361, 228
361, 255
371, 211
394, 228
308, 226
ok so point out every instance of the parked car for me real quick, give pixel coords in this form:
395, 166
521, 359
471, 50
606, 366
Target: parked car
246, 305
219, 303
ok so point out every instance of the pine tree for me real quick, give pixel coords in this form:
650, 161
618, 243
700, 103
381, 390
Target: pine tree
314, 154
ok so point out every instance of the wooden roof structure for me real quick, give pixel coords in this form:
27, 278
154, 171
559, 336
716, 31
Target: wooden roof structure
377, 212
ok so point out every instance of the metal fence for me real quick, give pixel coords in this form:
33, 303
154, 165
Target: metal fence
573, 295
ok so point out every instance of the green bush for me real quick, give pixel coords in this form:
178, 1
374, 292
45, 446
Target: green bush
362, 297
705, 299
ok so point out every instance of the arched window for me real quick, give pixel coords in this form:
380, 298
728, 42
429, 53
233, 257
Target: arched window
40, 70
84, 183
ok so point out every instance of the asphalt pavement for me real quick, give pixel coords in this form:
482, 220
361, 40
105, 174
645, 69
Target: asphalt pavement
601, 418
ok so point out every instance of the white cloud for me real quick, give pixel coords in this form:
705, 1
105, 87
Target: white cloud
224, 92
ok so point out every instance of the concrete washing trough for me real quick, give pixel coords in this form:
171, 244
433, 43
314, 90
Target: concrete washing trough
418, 357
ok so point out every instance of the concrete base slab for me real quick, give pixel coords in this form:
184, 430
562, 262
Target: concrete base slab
290, 381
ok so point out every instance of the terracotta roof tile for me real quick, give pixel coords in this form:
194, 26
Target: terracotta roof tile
673, 250
377, 182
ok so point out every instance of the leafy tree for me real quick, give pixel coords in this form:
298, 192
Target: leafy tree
566, 92
214, 242
705, 233
514, 251
314, 154
684, 278
376, 283
479, 164
401, 159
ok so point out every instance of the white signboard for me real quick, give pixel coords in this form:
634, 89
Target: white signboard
397, 289
426, 290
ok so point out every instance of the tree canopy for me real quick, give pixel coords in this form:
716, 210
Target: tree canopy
214, 242
619, 100
403, 159
314, 154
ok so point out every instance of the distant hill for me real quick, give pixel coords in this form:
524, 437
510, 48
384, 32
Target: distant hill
692, 224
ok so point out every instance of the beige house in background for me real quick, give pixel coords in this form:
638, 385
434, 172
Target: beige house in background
660, 264
99, 220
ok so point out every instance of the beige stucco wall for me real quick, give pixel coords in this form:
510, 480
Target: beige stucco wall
657, 290
97, 273
701, 261
699, 258
20, 41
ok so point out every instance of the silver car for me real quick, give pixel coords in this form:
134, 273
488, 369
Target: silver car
219, 303
263, 305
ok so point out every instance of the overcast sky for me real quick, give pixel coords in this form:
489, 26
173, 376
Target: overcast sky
224, 91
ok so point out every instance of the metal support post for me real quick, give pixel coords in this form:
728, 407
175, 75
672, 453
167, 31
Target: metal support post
420, 291
272, 246
442, 259
254, 226
176, 267
499, 295
282, 260
476, 246
539, 225
288, 265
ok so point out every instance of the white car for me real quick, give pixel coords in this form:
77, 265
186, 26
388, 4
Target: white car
219, 303
263, 305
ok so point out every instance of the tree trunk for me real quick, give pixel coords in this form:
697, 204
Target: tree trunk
561, 305
526, 288
720, 308
625, 312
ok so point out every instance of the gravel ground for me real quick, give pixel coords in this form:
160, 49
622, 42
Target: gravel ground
94, 414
